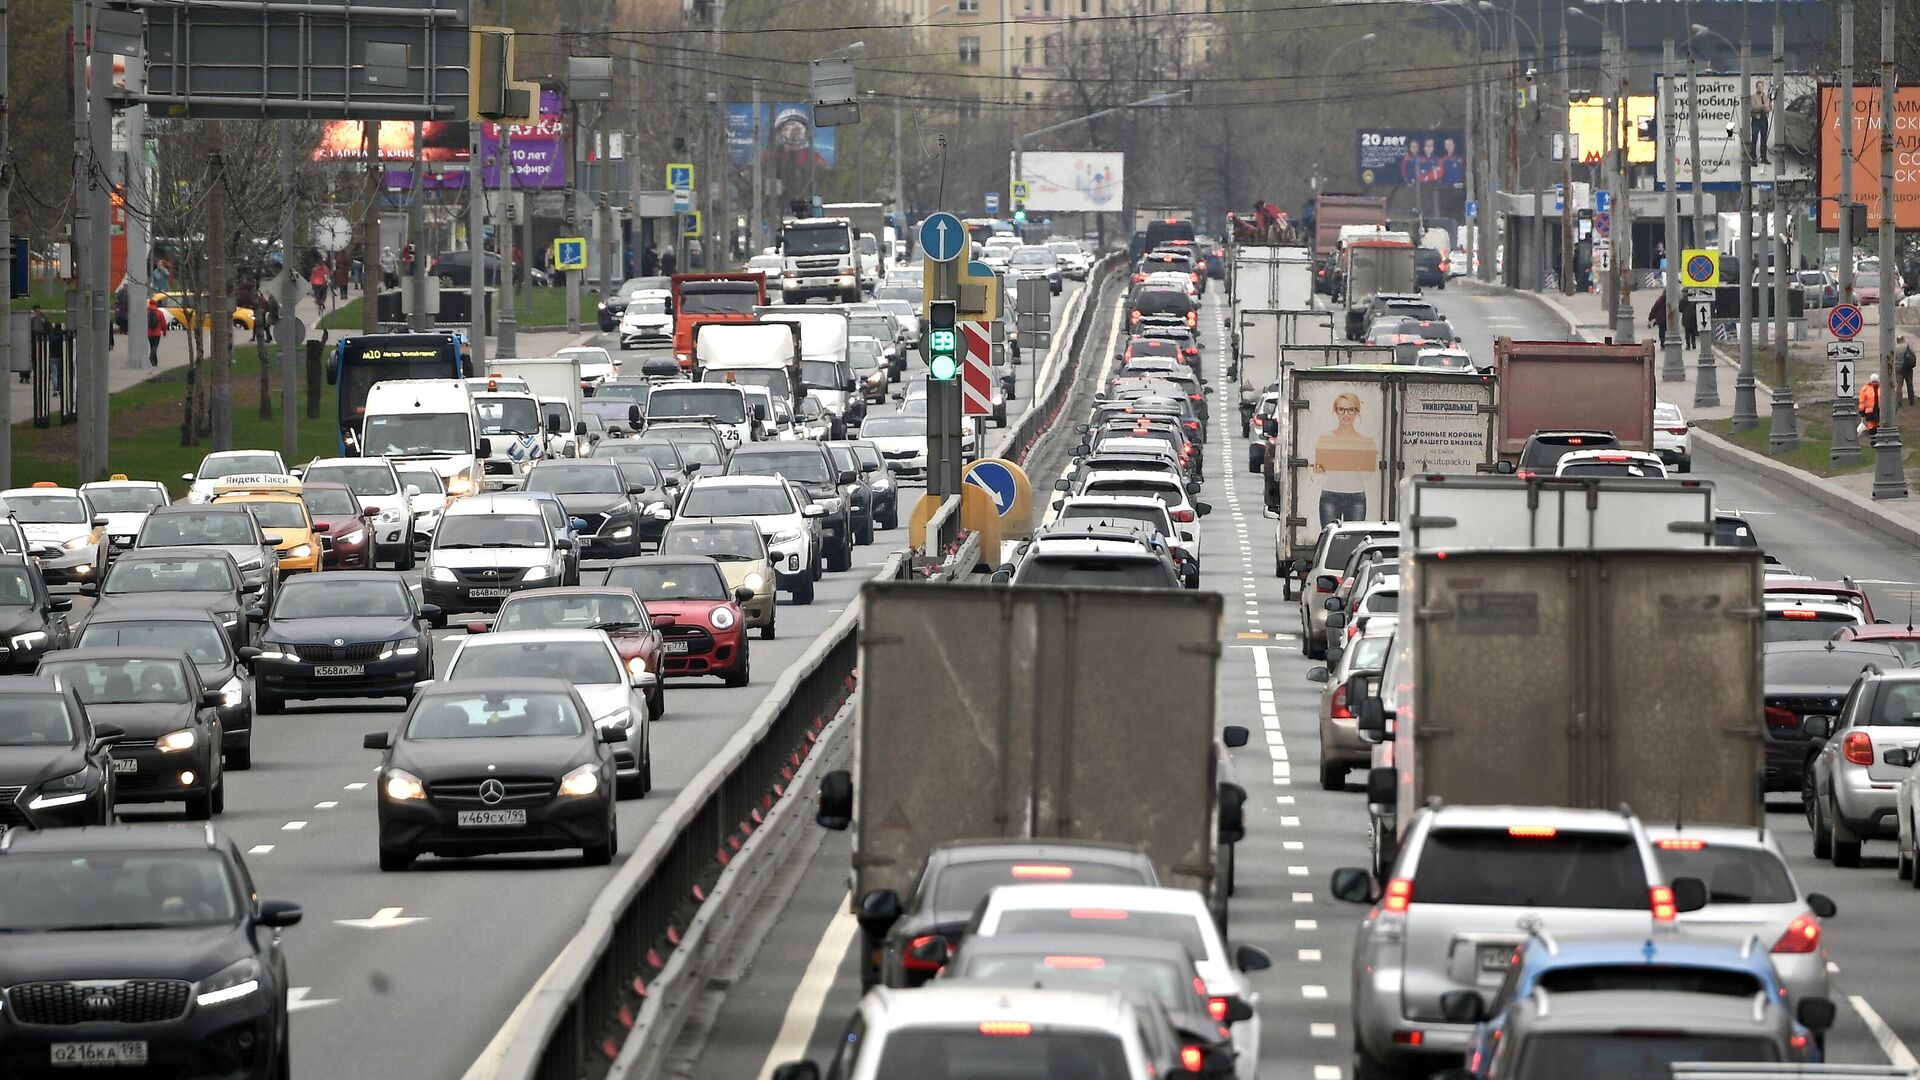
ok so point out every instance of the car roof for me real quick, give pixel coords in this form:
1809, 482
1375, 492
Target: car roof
1741, 836
520, 637
198, 551
666, 560
491, 503
470, 687
348, 461
1082, 945
1130, 897
120, 652
30, 684
1561, 817
142, 838
1100, 851
739, 480
774, 447
1878, 632
1579, 950
132, 612
1661, 1010
944, 1004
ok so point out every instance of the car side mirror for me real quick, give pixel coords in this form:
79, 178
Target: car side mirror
553, 425
1900, 757
1231, 800
279, 914
99, 523
1003, 575
1063, 484
272, 541
869, 467
108, 734
483, 448
1689, 894
1504, 468
1822, 905
210, 699
742, 594
576, 524
369, 512
1817, 1013
1325, 582
1383, 787
879, 910
247, 655
848, 476
563, 544
1237, 1010
932, 949
1203, 508
1234, 736
187, 476
1371, 716
89, 589
1317, 674
813, 510
1463, 1007
579, 428
797, 1070
1251, 958
833, 806
321, 527
1332, 603
413, 491
1353, 885
60, 603
613, 735
1818, 727
1334, 653
1193, 487
1337, 621
378, 740
256, 615
434, 615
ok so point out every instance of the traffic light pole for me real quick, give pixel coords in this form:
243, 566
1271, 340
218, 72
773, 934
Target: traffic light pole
944, 422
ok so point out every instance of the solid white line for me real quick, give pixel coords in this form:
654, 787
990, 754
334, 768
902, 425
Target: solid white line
1897, 1053
803, 1012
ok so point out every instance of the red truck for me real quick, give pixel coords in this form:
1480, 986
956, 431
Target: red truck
1574, 385
704, 298
1333, 211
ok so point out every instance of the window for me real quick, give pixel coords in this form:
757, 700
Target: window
970, 51
969, 7
1026, 51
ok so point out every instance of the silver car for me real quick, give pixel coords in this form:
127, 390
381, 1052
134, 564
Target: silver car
1850, 784
1341, 747
1750, 893
1470, 884
1316, 579
1553, 1036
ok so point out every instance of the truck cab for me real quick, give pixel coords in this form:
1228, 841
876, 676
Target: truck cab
428, 420
699, 299
819, 258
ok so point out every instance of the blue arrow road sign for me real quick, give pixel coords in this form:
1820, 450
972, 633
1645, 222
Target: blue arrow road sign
942, 237
995, 479
1473, 208
1845, 322
1602, 201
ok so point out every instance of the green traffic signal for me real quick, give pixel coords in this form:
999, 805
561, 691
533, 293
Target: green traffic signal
943, 368
943, 342
1020, 216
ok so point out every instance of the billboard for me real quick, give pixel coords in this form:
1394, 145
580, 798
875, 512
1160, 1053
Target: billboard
1436, 158
539, 149
1727, 120
784, 130
1866, 148
1074, 181
1588, 122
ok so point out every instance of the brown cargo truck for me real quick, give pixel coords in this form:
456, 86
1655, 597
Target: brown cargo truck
1574, 385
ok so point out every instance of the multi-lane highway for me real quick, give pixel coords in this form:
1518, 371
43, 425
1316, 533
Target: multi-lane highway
793, 986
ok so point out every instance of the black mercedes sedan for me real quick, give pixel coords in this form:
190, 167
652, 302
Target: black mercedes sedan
346, 633
32, 622
496, 765
55, 766
222, 668
171, 752
183, 578
598, 493
139, 950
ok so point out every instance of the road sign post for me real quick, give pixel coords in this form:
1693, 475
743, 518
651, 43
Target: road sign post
1844, 448
976, 372
1845, 321
1006, 484
945, 352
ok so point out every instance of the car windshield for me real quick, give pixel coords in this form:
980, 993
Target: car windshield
1806, 624
507, 415
670, 581
826, 374
1031, 256
122, 680
1099, 512
725, 404
329, 502
1093, 570
122, 500
578, 662
304, 598
968, 1051
1734, 875
494, 716
49, 509
1516, 868
1157, 925
719, 541
34, 720
571, 611
730, 500
16, 586
1063, 247
204, 642
278, 515
362, 480
696, 445
1092, 973
169, 575
418, 433
1641, 469
238, 464
191, 530
893, 426
1630, 1056
816, 240
493, 531
806, 466
115, 890
425, 480
575, 479
959, 886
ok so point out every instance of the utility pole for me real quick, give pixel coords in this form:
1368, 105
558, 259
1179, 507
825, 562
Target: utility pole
371, 245
1785, 433
758, 219
1845, 447
1674, 368
6, 237
1473, 193
1610, 113
1746, 412
1622, 225
1889, 475
1566, 164
139, 236
509, 343
99, 306
1706, 386
572, 196
899, 185
219, 294
416, 284
287, 340
477, 245
79, 325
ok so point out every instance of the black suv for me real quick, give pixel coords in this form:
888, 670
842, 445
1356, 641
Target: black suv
31, 621
598, 494
54, 766
810, 465
139, 948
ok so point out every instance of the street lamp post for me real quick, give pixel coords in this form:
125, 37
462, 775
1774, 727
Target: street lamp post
1706, 386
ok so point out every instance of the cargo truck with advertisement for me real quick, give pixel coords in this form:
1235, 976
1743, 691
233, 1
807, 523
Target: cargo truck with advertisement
709, 298
1574, 386
1033, 713
1292, 357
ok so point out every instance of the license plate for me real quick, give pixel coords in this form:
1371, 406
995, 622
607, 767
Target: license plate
488, 594
126, 764
100, 1054
339, 669
1495, 957
484, 818
673, 646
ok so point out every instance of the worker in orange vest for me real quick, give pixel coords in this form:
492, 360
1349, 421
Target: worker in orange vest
1870, 403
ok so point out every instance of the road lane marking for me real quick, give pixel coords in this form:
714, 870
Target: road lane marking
1313, 991
259, 849
1311, 956
803, 1012
1326, 1072
325, 805
1289, 822
1321, 1031
293, 826
356, 786
1297, 871
1306, 924
1292, 845
297, 999
384, 919
1303, 898
1897, 1053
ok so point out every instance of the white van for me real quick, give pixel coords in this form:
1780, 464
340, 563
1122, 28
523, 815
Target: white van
760, 353
428, 420
722, 405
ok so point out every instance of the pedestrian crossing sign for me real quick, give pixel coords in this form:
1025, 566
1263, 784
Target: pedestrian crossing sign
570, 253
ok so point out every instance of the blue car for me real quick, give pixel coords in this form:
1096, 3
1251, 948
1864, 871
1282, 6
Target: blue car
1576, 964
565, 527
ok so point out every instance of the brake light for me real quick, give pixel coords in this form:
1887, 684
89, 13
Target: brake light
1054, 873
1682, 845
1191, 1058
1191, 350
1339, 710
1802, 936
1857, 748
1075, 963
45, 484
1799, 613
1193, 318
1399, 895
1778, 717
1533, 832
1576, 441
1675, 430
1661, 899
1196, 397
1114, 914
1183, 516
1193, 425
914, 963
1409, 1038
1005, 1027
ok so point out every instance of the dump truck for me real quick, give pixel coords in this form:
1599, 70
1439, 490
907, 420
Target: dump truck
1332, 211
870, 225
705, 298
1574, 385
1035, 712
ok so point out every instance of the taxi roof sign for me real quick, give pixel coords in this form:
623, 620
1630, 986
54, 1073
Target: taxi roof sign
257, 482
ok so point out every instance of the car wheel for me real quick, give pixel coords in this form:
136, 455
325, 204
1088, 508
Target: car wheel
1809, 796
1365, 1068
282, 1060
1845, 844
1913, 858
1333, 777
1903, 867
200, 807
602, 853
803, 591
1822, 840
405, 561
864, 535
646, 766
817, 568
391, 860
842, 556
240, 758
657, 703
891, 521
742, 672
1000, 417
767, 632
219, 800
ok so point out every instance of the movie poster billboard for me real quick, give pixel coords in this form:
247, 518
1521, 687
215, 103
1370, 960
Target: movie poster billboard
1403, 158
787, 133
1074, 181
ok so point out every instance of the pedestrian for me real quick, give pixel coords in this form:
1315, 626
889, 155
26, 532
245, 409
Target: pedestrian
1906, 357
667, 262
649, 263
1657, 318
389, 267
1870, 405
342, 272
318, 280
1690, 323
40, 328
156, 326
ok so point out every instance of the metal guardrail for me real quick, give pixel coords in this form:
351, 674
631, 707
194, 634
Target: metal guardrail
616, 997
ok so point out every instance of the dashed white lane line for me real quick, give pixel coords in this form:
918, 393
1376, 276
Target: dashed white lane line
1297, 871
293, 826
1313, 991
1306, 924
1303, 898
1326, 1072
259, 849
1322, 1031
1311, 956
355, 786
1291, 845
1289, 822
328, 805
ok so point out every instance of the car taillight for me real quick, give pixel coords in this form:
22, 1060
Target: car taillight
1682, 845
1857, 748
1191, 1058
1114, 914
1050, 873
1533, 832
1005, 1027
1183, 516
1193, 318
1660, 898
1675, 430
1802, 936
1778, 717
1193, 425
1399, 895
1339, 711
914, 963
1799, 613
1075, 963
1191, 350
1197, 397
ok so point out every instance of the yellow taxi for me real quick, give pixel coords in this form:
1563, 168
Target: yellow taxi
182, 308
274, 501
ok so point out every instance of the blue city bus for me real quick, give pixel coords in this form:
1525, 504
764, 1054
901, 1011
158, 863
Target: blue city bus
359, 362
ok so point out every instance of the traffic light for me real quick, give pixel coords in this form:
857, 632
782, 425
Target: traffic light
1020, 216
943, 341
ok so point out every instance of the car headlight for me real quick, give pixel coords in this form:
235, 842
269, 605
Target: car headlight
440, 573
754, 582
402, 785
786, 537
231, 691
636, 665
301, 551
623, 532
460, 486
175, 741
722, 618
230, 984
621, 718
390, 515
536, 573
399, 647
353, 537
229, 618
32, 639
583, 780
274, 651
78, 542
252, 564
75, 787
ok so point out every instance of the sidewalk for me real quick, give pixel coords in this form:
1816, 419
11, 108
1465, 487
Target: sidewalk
1848, 492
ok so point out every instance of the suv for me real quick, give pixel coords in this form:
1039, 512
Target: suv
1541, 454
376, 483
810, 465
168, 953
1862, 754
487, 547
600, 496
1480, 880
1315, 580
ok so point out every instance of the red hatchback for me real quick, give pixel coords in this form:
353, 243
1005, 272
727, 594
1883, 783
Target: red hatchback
341, 522
617, 611
702, 629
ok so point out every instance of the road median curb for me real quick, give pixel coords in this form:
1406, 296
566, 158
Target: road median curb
1831, 496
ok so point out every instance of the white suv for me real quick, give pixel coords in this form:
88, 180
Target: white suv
377, 484
780, 510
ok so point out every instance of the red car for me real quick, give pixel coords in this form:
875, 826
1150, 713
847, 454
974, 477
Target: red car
342, 524
1832, 592
703, 631
636, 637
1904, 639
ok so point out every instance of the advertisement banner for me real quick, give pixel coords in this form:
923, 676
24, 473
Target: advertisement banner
1338, 428
1866, 148
1446, 425
1729, 121
1405, 158
1588, 122
785, 128
1074, 181
539, 149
